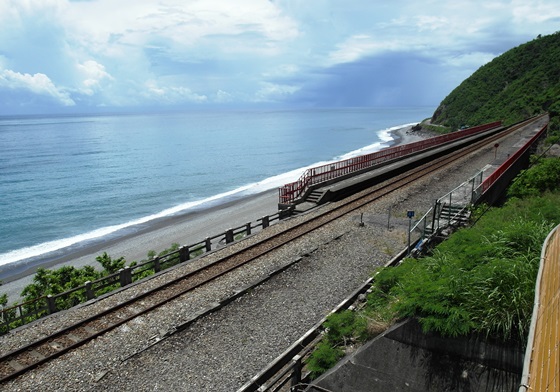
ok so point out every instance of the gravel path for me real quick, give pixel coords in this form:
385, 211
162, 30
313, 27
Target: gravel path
223, 350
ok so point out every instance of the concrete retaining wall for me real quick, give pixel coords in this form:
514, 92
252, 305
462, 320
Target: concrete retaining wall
406, 359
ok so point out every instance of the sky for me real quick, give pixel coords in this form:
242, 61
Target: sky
80, 56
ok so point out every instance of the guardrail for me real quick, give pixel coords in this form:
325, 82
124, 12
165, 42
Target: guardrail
20, 314
320, 174
461, 197
487, 183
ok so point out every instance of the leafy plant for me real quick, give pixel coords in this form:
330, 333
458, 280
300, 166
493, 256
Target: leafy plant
480, 280
324, 357
340, 329
109, 265
540, 178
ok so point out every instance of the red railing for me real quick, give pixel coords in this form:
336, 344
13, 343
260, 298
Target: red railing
487, 183
292, 191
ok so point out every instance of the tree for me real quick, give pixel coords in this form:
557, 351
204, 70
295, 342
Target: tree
109, 265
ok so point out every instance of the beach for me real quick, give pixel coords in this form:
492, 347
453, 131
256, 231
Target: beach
184, 229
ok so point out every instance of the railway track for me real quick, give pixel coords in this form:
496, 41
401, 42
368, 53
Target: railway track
43, 350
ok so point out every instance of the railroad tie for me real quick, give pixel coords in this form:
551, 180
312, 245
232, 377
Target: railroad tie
73, 338
16, 365
90, 330
36, 355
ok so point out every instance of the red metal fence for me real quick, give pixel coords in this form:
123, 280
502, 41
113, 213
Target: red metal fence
487, 183
320, 174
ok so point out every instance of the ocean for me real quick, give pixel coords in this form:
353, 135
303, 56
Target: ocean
66, 180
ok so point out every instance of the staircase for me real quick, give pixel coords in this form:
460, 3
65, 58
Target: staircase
314, 196
453, 214
311, 201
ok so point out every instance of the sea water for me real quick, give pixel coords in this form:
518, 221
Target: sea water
66, 180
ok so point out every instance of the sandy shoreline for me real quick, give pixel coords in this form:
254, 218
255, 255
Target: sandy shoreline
184, 229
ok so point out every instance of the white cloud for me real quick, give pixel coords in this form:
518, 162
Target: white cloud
176, 24
358, 47
170, 94
38, 83
223, 97
245, 51
533, 12
271, 92
93, 75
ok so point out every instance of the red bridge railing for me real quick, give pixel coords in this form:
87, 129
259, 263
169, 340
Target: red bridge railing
320, 174
487, 183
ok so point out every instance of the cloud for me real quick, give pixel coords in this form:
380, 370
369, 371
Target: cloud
390, 79
38, 84
93, 76
170, 94
270, 92
174, 52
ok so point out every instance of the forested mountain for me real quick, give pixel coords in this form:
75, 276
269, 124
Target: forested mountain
518, 84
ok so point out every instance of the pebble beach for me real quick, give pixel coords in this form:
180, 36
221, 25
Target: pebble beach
160, 234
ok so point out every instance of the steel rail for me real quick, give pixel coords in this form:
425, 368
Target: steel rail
32, 355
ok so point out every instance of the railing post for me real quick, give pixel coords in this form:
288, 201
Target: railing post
296, 372
265, 221
51, 305
157, 264
449, 215
248, 228
89, 290
434, 217
208, 244
125, 276
229, 236
184, 254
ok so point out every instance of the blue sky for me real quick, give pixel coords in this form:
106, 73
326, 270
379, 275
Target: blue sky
64, 56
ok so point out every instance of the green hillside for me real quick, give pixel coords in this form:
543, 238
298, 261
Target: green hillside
520, 83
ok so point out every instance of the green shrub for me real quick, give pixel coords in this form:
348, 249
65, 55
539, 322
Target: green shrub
545, 176
324, 357
480, 280
344, 326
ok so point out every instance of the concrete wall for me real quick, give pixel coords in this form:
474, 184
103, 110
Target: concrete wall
406, 359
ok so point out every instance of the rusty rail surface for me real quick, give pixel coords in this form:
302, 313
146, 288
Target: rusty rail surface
541, 370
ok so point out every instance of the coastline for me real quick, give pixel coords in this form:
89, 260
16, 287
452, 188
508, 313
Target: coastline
186, 228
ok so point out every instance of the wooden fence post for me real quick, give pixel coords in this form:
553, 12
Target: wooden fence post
89, 291
125, 276
229, 236
51, 305
208, 244
265, 221
184, 254
248, 228
157, 265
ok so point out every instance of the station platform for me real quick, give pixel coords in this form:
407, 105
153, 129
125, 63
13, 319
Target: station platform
337, 190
